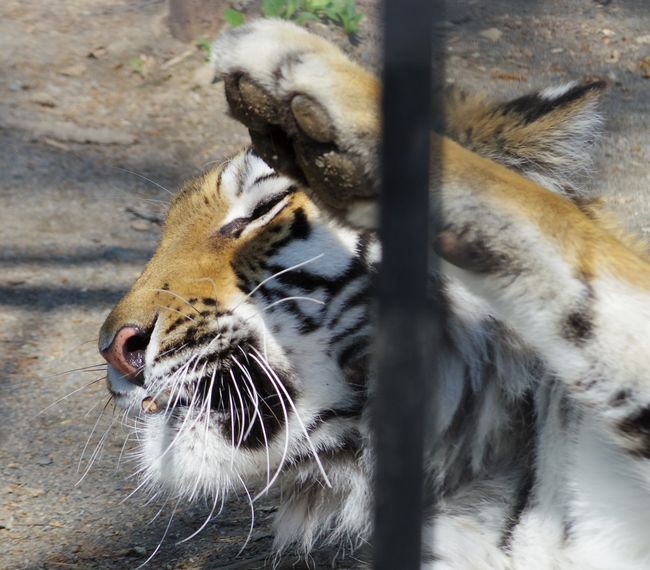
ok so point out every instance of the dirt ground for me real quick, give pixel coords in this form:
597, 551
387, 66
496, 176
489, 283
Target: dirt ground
102, 113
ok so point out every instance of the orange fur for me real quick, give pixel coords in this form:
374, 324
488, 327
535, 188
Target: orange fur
586, 238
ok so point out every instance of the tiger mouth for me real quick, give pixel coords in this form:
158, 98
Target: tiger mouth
250, 401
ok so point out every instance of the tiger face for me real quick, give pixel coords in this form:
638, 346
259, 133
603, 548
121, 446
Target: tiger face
241, 349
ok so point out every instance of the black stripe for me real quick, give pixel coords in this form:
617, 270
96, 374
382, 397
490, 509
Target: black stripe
333, 414
353, 350
348, 444
300, 227
527, 417
352, 329
533, 107
268, 204
264, 178
218, 188
362, 296
636, 428
521, 503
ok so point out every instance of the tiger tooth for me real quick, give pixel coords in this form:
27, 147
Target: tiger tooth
149, 405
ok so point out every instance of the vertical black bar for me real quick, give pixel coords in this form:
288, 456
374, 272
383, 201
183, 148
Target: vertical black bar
410, 92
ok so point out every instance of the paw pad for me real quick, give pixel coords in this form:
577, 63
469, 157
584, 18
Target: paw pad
313, 119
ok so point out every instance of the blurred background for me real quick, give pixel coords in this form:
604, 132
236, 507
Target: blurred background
105, 107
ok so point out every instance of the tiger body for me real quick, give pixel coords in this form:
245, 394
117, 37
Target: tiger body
252, 324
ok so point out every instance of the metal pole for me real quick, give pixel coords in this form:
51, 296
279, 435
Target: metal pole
407, 325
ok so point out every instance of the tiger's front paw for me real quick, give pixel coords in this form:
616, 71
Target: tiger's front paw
312, 113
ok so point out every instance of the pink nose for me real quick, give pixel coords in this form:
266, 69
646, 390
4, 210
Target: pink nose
126, 353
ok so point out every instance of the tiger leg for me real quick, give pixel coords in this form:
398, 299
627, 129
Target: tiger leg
579, 296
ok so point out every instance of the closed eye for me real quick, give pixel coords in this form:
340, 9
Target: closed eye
267, 205
262, 213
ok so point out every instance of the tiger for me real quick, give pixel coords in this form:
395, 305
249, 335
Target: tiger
243, 352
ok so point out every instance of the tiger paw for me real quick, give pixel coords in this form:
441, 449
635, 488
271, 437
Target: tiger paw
312, 114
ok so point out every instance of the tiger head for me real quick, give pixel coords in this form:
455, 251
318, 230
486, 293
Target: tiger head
241, 348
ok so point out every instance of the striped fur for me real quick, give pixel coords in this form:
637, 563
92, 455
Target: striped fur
257, 303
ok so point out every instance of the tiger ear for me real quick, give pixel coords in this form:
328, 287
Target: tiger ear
549, 136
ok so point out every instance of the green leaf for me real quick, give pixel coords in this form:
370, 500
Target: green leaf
273, 8
234, 17
315, 5
305, 16
330, 12
351, 23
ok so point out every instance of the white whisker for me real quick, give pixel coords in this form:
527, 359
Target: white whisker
252, 507
285, 299
171, 518
100, 444
70, 394
298, 418
205, 523
242, 409
166, 308
143, 177
259, 414
83, 451
119, 457
286, 440
180, 297
283, 271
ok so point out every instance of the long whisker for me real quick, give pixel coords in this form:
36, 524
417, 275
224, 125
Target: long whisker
90, 367
215, 289
253, 397
83, 451
266, 442
242, 409
158, 513
250, 530
179, 297
265, 365
119, 457
101, 440
286, 438
283, 271
204, 409
285, 299
207, 407
98, 448
221, 163
171, 518
205, 523
70, 394
92, 408
232, 428
166, 308
143, 177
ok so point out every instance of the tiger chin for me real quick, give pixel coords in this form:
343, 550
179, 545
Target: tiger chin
242, 351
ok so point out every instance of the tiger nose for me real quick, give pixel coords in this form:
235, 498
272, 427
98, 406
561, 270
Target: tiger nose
126, 353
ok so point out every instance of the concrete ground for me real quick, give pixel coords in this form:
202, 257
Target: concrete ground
101, 113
